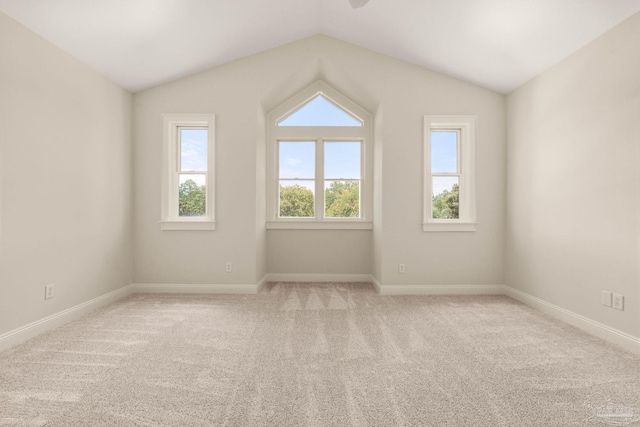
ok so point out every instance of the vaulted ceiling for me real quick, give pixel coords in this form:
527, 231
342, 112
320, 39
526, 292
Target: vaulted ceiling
498, 44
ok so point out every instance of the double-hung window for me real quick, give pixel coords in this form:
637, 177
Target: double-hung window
188, 187
449, 173
319, 162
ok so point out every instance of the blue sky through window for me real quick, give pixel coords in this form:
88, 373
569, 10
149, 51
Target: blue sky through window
199, 179
444, 159
441, 183
297, 160
444, 152
193, 149
342, 160
320, 112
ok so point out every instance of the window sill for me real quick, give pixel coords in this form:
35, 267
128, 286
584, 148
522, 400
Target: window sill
196, 225
318, 225
449, 226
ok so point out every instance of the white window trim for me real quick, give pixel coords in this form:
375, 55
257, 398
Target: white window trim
466, 125
170, 173
320, 134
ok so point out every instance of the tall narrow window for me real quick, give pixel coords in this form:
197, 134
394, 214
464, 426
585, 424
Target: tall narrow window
297, 179
187, 202
192, 175
320, 162
342, 179
449, 181
445, 172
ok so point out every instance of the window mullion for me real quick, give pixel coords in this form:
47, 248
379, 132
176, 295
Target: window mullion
363, 173
175, 198
459, 151
178, 148
319, 183
175, 173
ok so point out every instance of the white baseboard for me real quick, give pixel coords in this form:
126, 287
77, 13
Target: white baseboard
439, 289
376, 283
598, 329
294, 277
391, 289
23, 333
166, 288
605, 332
261, 283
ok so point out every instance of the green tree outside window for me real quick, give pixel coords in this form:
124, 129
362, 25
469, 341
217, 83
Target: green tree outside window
446, 204
192, 199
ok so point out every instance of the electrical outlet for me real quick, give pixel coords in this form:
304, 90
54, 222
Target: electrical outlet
618, 301
228, 268
49, 291
606, 298
400, 268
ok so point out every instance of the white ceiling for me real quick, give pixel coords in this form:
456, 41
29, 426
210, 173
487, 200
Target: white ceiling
498, 44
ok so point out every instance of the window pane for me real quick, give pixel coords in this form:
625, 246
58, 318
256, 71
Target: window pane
445, 199
444, 152
192, 195
297, 160
320, 112
342, 160
297, 198
342, 199
193, 150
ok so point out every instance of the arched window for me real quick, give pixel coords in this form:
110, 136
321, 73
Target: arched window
319, 162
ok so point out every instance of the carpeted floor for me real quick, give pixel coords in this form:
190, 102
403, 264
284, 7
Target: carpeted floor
316, 355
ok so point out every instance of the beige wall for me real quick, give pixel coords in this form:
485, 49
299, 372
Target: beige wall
574, 180
572, 220
199, 257
65, 164
319, 251
433, 258
261, 196
397, 94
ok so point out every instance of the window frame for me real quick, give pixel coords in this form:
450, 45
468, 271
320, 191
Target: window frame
170, 219
319, 135
466, 146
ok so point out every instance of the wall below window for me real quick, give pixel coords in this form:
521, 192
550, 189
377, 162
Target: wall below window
65, 167
319, 251
574, 181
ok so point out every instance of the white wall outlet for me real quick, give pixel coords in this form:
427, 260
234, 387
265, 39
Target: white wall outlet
49, 291
606, 298
618, 301
228, 267
401, 268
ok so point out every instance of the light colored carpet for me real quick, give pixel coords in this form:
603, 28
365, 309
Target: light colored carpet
314, 355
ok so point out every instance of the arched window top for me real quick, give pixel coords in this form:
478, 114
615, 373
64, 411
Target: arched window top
319, 162
320, 111
319, 105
